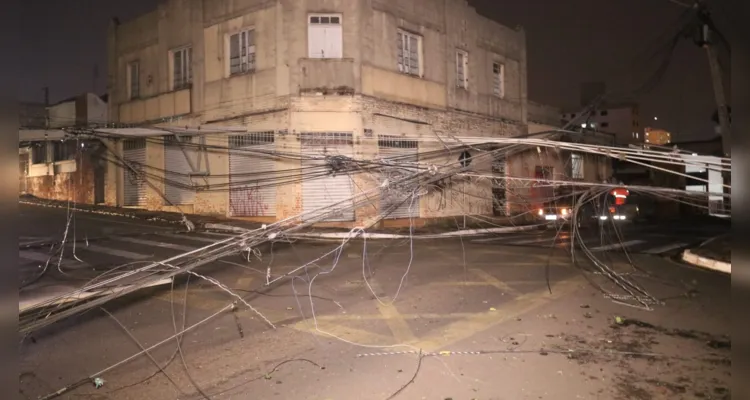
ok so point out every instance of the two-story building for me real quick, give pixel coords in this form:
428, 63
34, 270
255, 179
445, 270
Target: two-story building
259, 81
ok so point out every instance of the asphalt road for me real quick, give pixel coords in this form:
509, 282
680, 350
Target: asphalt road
480, 310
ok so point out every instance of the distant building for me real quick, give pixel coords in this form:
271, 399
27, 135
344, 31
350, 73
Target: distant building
82, 110
543, 114
32, 115
621, 119
656, 136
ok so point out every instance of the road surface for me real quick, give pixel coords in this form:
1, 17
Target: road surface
480, 313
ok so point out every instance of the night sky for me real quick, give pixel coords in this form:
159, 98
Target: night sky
568, 42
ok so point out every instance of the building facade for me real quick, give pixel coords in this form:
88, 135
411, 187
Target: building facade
623, 120
54, 167
656, 136
361, 79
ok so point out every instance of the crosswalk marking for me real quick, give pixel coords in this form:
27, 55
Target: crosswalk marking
115, 252
154, 243
42, 258
613, 246
665, 248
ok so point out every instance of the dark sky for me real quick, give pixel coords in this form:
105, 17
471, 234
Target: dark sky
568, 42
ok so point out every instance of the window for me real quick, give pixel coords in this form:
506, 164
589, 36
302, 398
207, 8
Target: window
409, 53
63, 151
462, 69
39, 153
182, 68
134, 80
576, 166
325, 36
242, 52
498, 81
603, 113
605, 124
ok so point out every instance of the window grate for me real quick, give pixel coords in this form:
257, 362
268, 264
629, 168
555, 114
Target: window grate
326, 138
397, 142
251, 139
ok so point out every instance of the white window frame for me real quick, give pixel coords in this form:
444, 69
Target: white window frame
246, 52
404, 44
320, 22
577, 170
185, 65
134, 82
462, 69
498, 79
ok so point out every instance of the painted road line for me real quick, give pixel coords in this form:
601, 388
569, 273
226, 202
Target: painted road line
190, 237
329, 330
396, 323
613, 246
491, 280
485, 283
500, 238
42, 258
665, 248
115, 252
477, 323
245, 282
530, 241
154, 244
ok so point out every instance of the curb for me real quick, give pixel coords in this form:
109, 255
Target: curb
694, 259
369, 236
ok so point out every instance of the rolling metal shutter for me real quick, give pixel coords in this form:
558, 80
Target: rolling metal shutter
324, 191
252, 190
177, 183
134, 186
396, 200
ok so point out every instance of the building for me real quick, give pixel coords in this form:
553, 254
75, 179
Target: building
32, 115
86, 109
361, 79
656, 136
58, 169
543, 114
529, 172
621, 119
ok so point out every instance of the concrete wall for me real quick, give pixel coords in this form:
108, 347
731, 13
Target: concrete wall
62, 180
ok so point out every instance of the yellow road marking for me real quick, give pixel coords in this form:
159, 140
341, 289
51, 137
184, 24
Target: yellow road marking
464, 283
494, 281
244, 282
327, 329
477, 323
381, 317
396, 323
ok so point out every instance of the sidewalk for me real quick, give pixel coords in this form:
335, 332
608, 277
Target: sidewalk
447, 226
713, 254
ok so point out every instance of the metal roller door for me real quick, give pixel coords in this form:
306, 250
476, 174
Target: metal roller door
252, 193
330, 189
395, 199
134, 186
178, 187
